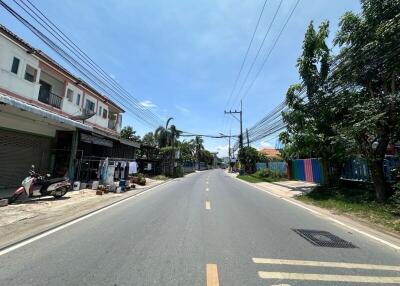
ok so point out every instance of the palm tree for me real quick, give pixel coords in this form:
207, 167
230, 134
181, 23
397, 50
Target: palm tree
198, 141
162, 136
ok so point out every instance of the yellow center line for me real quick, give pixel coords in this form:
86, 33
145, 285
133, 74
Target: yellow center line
326, 264
327, 278
208, 205
212, 275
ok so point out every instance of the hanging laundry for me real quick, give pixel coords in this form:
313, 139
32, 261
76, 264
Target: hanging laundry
133, 167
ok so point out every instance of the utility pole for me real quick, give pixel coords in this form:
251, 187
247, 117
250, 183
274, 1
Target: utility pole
229, 150
240, 112
247, 135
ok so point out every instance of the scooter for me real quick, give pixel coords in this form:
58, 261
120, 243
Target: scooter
36, 185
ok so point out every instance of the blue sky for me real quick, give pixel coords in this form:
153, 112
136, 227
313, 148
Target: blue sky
181, 58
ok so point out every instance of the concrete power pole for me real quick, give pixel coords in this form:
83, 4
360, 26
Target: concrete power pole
247, 135
240, 112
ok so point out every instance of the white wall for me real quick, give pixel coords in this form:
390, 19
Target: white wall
16, 82
71, 107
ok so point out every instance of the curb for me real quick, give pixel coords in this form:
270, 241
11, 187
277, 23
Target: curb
11, 244
337, 219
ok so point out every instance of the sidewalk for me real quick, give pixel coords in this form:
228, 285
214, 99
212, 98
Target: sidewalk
287, 189
19, 221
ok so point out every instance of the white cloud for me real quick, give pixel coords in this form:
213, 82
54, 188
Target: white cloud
182, 109
222, 150
148, 104
266, 144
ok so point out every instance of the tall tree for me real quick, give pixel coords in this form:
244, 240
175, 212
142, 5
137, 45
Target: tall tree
129, 134
310, 119
149, 139
369, 76
198, 142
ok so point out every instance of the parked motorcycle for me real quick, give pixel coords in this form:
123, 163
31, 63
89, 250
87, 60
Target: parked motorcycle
36, 185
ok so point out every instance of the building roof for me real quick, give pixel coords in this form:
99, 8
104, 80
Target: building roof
5, 99
47, 59
270, 152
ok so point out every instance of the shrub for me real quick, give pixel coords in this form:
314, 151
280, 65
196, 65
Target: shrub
268, 173
141, 179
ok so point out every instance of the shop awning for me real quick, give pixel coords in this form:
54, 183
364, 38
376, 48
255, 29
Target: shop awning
5, 99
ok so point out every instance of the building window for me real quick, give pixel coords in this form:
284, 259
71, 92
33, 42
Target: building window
100, 110
89, 106
70, 95
78, 99
15, 65
30, 73
105, 113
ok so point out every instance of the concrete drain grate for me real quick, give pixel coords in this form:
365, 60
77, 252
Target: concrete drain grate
323, 238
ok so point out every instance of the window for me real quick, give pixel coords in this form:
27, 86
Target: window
78, 99
89, 106
30, 73
105, 113
70, 95
15, 65
100, 110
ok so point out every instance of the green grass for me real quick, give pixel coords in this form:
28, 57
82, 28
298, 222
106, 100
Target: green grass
254, 178
160, 177
357, 202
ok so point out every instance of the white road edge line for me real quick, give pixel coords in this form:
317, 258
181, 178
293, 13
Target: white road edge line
47, 233
328, 218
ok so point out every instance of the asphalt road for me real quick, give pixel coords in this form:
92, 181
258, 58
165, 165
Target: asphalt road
168, 236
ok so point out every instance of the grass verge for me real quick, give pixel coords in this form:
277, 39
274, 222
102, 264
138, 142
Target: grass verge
160, 177
356, 202
254, 178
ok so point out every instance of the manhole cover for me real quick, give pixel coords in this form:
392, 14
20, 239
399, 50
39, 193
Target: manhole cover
323, 238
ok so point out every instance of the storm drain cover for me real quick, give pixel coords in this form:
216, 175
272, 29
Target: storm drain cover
323, 238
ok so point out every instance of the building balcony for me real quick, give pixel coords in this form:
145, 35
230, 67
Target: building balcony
50, 98
112, 124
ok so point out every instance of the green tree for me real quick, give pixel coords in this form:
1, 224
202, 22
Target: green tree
199, 147
129, 134
311, 119
149, 139
188, 150
248, 157
368, 74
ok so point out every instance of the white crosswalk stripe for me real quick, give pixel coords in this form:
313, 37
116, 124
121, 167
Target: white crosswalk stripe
328, 277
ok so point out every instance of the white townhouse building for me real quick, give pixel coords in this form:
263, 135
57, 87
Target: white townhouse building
51, 118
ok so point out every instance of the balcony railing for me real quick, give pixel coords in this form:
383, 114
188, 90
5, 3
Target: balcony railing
112, 124
50, 98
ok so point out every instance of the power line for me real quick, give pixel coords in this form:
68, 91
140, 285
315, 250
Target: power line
137, 110
246, 54
270, 51
258, 52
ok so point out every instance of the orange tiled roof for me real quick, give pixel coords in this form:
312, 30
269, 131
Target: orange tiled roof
270, 152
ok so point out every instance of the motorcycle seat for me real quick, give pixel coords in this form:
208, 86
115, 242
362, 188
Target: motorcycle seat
53, 180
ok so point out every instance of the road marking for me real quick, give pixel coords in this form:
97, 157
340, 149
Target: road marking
208, 205
207, 189
212, 275
56, 229
327, 277
319, 214
326, 264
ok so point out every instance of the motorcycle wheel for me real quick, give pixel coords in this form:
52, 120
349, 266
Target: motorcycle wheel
17, 198
60, 193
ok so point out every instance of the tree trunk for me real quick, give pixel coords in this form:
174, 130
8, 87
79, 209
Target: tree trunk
378, 179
